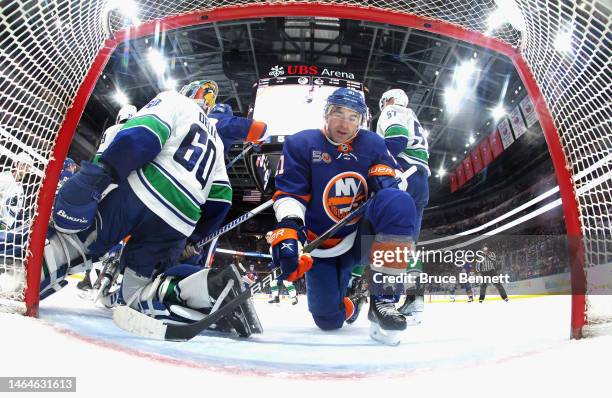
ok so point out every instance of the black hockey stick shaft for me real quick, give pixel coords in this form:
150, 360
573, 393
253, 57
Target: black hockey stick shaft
187, 332
239, 156
233, 224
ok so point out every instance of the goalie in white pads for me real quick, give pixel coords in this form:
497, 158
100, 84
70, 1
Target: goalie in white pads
166, 162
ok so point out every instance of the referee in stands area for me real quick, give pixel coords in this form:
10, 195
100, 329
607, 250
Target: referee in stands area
488, 267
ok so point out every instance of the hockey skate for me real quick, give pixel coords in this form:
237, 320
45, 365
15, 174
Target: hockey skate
413, 309
294, 300
275, 300
85, 284
386, 323
358, 296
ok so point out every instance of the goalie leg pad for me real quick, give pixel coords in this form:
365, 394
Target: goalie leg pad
187, 293
64, 254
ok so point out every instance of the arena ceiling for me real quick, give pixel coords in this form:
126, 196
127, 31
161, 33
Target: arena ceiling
236, 53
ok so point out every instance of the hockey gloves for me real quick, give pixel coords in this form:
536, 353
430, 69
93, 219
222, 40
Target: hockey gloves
77, 200
381, 176
287, 240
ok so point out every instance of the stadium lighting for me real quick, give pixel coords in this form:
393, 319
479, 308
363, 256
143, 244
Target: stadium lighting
442, 171
464, 72
170, 83
121, 98
158, 62
563, 42
454, 158
452, 99
471, 140
506, 12
128, 8
498, 112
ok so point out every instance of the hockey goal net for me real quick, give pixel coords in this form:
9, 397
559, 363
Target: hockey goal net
52, 53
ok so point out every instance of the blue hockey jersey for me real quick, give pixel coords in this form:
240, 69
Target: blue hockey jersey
329, 180
232, 129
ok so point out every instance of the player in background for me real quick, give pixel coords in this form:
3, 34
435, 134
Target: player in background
323, 175
467, 270
14, 227
70, 167
165, 162
11, 192
125, 113
274, 288
233, 129
404, 137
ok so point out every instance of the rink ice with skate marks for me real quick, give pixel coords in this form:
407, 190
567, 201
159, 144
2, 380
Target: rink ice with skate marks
452, 335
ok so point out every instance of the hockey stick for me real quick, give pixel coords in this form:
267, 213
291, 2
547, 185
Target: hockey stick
136, 322
233, 224
239, 156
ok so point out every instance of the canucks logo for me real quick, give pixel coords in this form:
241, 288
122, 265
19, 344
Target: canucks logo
344, 193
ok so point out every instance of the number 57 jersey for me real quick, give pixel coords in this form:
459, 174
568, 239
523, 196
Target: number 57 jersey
185, 165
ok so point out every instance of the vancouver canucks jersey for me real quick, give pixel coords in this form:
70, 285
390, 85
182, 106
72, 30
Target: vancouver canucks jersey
403, 133
176, 160
11, 200
328, 180
107, 138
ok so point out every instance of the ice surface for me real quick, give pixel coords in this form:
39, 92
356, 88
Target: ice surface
518, 347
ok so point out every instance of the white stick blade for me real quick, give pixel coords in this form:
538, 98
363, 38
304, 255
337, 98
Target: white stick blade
138, 323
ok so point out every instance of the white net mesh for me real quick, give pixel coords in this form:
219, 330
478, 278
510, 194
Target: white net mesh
47, 48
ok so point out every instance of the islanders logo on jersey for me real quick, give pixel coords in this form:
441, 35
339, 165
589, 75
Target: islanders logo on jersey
343, 193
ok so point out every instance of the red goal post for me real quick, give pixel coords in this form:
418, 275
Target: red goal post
55, 52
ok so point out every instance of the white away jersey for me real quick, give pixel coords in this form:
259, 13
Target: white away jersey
190, 168
107, 138
11, 200
394, 120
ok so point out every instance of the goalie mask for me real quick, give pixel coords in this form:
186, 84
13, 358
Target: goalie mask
398, 95
203, 92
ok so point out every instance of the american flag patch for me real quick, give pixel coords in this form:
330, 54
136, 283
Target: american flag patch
251, 195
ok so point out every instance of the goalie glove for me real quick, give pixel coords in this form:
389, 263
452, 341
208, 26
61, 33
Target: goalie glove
287, 242
77, 200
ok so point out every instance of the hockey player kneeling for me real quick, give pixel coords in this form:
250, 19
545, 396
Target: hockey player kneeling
326, 174
168, 179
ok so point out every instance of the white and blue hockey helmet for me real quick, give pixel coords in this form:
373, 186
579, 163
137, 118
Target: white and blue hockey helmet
347, 98
397, 94
126, 112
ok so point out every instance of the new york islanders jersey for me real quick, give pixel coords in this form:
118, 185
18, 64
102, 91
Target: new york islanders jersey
183, 159
329, 180
403, 133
